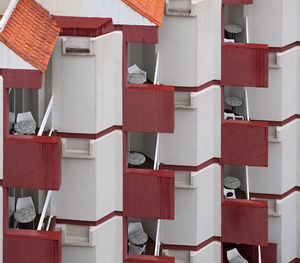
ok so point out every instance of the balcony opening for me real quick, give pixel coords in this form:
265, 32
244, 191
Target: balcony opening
235, 185
142, 237
24, 113
235, 24
30, 209
141, 63
235, 103
141, 150
239, 253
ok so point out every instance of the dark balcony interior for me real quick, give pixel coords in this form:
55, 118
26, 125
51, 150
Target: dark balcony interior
250, 252
234, 21
237, 174
148, 226
142, 55
235, 107
32, 202
144, 144
26, 101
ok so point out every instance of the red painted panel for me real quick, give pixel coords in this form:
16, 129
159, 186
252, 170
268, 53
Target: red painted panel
269, 253
245, 221
22, 78
149, 194
148, 259
138, 34
83, 26
31, 246
244, 143
32, 162
237, 2
245, 65
148, 108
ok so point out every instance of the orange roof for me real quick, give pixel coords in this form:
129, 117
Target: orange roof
151, 9
31, 32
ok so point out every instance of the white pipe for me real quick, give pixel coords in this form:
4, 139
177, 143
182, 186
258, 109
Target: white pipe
156, 162
248, 119
48, 223
155, 166
247, 104
47, 114
247, 30
259, 255
44, 210
156, 79
157, 243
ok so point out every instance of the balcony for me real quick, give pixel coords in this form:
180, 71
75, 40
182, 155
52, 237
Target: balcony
30, 159
148, 106
29, 227
243, 64
245, 221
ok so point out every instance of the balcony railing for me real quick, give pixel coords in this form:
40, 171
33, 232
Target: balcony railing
245, 65
244, 143
32, 246
148, 108
245, 221
33, 162
149, 193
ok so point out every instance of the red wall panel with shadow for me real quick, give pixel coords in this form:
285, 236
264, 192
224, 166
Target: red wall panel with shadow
31, 246
32, 162
245, 221
148, 108
149, 193
245, 65
244, 143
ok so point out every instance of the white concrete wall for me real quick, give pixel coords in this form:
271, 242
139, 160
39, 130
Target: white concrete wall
197, 134
281, 99
284, 229
108, 241
116, 9
92, 188
10, 60
273, 22
190, 47
210, 253
197, 210
88, 89
3, 6
282, 173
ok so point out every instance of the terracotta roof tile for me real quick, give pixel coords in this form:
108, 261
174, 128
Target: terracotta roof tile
31, 32
151, 9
